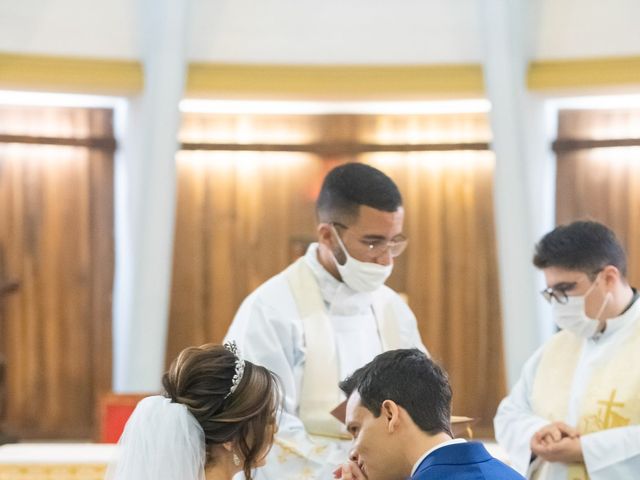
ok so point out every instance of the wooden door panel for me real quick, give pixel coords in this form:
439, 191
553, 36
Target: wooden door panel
56, 237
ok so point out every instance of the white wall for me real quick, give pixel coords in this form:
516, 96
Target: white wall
90, 28
249, 31
319, 32
587, 28
335, 31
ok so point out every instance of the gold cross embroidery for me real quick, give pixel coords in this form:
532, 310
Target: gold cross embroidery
606, 417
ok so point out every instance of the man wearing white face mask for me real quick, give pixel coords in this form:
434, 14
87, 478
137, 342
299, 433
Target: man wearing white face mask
328, 314
575, 412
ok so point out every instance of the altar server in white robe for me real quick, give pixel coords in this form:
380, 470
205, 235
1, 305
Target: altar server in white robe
328, 314
575, 412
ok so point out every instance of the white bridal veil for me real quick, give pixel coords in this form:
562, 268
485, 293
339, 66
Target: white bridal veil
161, 441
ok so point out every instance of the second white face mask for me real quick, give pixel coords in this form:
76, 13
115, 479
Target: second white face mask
361, 276
571, 315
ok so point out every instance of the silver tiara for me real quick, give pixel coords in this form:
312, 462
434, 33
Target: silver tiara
237, 377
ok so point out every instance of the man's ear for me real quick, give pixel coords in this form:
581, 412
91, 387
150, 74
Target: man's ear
391, 413
611, 275
325, 235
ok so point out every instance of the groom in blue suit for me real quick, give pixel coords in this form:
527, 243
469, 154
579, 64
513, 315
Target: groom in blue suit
398, 412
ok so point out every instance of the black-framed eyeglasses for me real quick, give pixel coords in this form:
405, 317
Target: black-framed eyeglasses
558, 294
377, 247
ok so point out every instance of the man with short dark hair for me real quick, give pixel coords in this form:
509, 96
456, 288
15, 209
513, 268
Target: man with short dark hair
575, 412
328, 314
398, 413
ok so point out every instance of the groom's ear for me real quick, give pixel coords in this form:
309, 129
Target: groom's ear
391, 413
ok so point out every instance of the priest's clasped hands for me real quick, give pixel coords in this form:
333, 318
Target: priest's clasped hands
557, 442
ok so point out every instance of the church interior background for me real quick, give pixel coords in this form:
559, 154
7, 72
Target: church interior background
146, 190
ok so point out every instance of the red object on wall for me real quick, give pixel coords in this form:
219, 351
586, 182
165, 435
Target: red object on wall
115, 410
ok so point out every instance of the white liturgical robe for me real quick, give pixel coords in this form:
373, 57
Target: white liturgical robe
304, 322
599, 395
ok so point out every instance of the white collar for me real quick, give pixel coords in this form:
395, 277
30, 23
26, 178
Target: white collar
339, 297
453, 441
619, 323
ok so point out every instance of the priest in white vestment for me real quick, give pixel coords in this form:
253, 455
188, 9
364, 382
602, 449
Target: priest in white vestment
575, 412
326, 315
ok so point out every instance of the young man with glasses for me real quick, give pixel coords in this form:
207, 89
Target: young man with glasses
575, 412
328, 314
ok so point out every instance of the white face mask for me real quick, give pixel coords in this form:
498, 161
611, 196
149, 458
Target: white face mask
361, 276
571, 315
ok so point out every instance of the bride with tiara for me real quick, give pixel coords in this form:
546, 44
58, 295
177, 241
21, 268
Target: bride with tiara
217, 418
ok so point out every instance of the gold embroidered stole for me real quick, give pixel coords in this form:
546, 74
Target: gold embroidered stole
611, 398
320, 393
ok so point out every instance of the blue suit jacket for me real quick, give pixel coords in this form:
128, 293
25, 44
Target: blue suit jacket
463, 461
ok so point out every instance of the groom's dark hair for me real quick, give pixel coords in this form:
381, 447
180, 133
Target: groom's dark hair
412, 380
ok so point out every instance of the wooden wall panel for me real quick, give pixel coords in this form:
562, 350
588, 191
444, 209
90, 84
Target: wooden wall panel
450, 271
602, 184
56, 235
237, 216
241, 215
